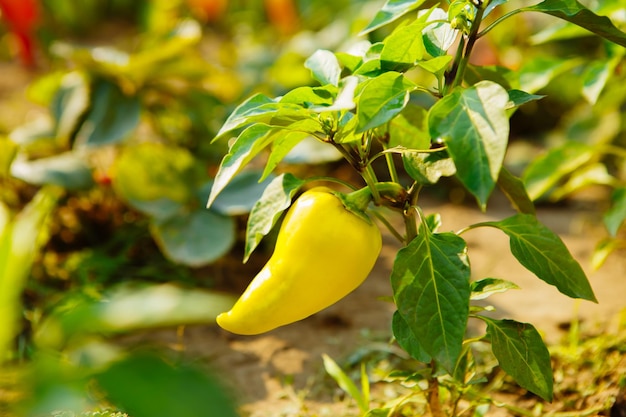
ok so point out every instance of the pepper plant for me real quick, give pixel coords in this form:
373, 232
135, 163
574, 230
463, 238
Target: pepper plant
414, 98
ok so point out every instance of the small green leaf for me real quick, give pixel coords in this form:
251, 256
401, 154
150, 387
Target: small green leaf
474, 125
485, 287
615, 216
519, 97
430, 281
275, 199
549, 169
595, 77
325, 67
522, 354
8, 151
345, 383
111, 117
574, 12
543, 253
403, 48
285, 141
311, 96
247, 145
69, 170
382, 99
591, 174
436, 65
195, 239
515, 191
428, 168
407, 340
392, 10
438, 37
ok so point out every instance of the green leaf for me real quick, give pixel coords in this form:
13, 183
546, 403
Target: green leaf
130, 384
430, 281
485, 287
195, 239
428, 168
438, 37
543, 253
345, 383
284, 142
615, 216
8, 151
403, 47
69, 105
407, 340
515, 191
261, 109
111, 117
522, 354
325, 67
546, 171
151, 171
436, 65
68, 170
591, 174
392, 10
537, 73
132, 308
240, 195
275, 199
311, 96
574, 12
595, 77
473, 124
247, 145
382, 99
519, 97
410, 129
20, 240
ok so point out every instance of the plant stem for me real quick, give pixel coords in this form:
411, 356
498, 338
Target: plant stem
433, 395
467, 51
370, 179
498, 21
393, 173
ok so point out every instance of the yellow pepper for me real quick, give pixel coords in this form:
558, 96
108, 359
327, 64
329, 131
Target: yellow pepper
323, 252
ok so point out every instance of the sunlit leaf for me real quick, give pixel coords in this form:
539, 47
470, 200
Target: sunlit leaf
428, 168
70, 104
486, 287
275, 200
591, 174
195, 239
522, 354
8, 151
324, 66
439, 37
574, 12
68, 170
546, 171
403, 47
615, 216
247, 145
381, 99
596, 75
311, 96
133, 308
283, 144
410, 129
518, 98
392, 10
430, 280
473, 124
344, 382
543, 253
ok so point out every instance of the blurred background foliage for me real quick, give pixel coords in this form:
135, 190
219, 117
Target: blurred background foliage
107, 113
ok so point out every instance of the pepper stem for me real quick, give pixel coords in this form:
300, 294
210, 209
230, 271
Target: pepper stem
389, 193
